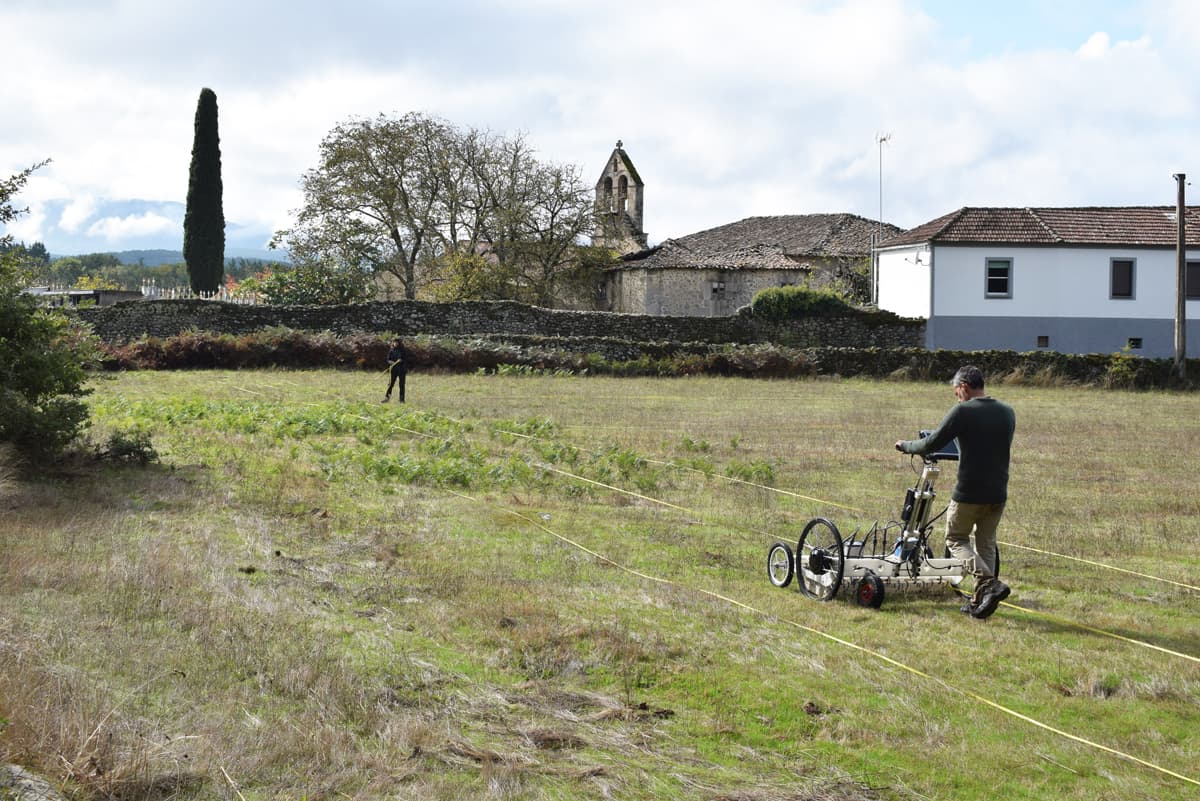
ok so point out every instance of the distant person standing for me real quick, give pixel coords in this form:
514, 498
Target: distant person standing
984, 429
398, 362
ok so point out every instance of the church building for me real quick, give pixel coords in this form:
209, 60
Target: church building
715, 272
619, 205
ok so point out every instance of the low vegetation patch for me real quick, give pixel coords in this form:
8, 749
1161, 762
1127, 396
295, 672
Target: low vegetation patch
530, 355
522, 585
790, 302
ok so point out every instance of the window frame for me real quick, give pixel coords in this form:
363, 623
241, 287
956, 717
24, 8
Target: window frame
1112, 277
1191, 288
988, 263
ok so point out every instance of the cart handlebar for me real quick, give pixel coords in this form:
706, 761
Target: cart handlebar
947, 453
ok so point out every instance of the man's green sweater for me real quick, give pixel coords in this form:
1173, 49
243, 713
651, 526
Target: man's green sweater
984, 430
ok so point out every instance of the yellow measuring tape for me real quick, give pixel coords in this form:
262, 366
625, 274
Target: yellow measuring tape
840, 641
1100, 564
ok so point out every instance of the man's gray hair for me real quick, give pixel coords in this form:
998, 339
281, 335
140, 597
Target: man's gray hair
970, 375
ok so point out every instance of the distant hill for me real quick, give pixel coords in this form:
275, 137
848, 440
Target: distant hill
153, 258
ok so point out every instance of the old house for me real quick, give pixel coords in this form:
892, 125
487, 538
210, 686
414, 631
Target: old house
717, 271
1073, 280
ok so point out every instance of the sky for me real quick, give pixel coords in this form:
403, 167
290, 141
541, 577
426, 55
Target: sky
727, 109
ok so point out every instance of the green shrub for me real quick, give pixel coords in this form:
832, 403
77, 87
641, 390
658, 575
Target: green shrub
316, 285
790, 302
283, 347
130, 446
44, 358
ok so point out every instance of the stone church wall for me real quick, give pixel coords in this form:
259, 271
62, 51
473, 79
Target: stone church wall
126, 322
690, 292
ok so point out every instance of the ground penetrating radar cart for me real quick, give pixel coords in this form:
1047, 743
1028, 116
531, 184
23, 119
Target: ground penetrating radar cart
897, 553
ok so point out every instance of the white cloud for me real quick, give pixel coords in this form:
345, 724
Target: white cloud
77, 212
758, 107
28, 228
115, 229
1095, 46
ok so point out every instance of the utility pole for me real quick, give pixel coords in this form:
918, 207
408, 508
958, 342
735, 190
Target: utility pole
880, 138
1180, 281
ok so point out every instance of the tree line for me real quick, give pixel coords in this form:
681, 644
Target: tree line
433, 209
446, 212
108, 271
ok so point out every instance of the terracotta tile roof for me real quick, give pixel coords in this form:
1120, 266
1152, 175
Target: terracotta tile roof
1140, 226
779, 242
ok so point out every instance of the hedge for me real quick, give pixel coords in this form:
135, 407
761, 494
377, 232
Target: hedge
598, 355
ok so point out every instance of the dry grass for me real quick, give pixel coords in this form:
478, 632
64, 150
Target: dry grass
8, 471
275, 612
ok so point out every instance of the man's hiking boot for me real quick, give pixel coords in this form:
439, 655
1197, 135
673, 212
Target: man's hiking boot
990, 600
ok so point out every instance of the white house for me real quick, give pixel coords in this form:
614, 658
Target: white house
1072, 280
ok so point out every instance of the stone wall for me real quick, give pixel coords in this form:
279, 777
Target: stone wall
691, 291
126, 322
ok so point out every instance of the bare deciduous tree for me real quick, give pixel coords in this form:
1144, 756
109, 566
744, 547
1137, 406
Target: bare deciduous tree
421, 199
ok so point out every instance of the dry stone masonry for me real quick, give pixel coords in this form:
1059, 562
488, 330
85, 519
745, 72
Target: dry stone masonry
127, 322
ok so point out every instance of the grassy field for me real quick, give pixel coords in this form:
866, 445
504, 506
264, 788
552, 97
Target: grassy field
536, 587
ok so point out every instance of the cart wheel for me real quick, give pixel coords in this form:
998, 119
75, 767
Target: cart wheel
869, 591
955, 583
780, 564
820, 559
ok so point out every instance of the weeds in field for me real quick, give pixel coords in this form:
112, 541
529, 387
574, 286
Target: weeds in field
313, 596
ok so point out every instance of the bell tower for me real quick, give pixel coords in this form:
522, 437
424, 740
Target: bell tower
619, 205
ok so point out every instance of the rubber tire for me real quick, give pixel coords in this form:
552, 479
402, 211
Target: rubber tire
868, 591
820, 560
781, 564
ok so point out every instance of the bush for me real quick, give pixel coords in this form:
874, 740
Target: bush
315, 285
44, 358
282, 347
790, 302
130, 446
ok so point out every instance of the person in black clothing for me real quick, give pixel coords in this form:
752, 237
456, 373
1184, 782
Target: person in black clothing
984, 429
398, 361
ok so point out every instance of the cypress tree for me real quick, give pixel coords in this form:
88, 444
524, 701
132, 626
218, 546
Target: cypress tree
204, 221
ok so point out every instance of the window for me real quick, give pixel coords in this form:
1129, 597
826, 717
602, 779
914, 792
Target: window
1121, 271
998, 280
1043, 341
1134, 343
1191, 283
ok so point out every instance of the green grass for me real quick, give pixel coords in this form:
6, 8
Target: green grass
314, 595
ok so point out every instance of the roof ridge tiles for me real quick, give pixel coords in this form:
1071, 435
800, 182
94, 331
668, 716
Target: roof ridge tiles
951, 218
1045, 226
1101, 226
